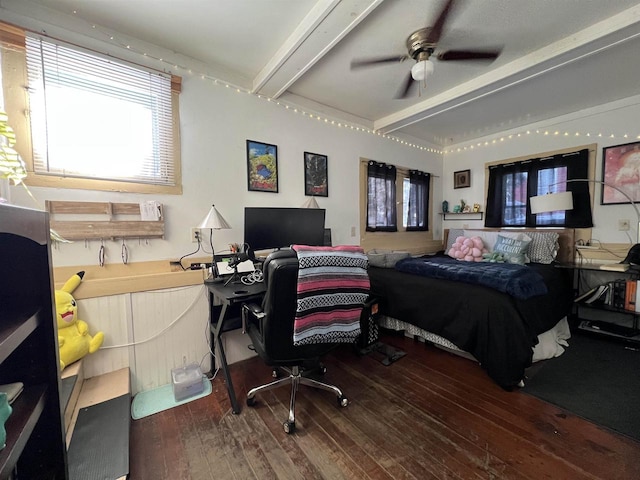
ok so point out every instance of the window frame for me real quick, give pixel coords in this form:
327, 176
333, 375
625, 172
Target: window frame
581, 233
16, 99
415, 242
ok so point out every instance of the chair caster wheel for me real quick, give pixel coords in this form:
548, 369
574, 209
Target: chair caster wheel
343, 401
289, 427
251, 401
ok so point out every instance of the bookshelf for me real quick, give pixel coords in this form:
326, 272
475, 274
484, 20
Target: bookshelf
609, 306
35, 445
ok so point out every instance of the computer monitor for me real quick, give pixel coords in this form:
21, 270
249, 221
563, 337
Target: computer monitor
278, 227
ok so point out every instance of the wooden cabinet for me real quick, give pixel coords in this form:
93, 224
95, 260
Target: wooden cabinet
35, 445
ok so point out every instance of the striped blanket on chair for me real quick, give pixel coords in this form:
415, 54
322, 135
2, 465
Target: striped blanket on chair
333, 285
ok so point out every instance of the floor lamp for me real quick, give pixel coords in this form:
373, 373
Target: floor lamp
214, 221
552, 202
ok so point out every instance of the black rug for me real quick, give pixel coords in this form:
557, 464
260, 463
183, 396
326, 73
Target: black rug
595, 378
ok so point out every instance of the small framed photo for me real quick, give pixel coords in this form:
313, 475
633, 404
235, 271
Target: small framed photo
462, 179
620, 169
262, 167
315, 175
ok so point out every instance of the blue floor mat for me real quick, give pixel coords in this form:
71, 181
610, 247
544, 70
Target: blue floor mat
161, 398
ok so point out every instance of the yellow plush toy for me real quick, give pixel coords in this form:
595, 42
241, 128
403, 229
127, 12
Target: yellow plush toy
73, 334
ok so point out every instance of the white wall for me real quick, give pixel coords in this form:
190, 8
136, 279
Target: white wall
215, 124
611, 124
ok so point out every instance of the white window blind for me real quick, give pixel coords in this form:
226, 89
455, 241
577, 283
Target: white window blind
95, 117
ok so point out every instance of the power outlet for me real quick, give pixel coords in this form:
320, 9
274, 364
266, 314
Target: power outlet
623, 225
196, 235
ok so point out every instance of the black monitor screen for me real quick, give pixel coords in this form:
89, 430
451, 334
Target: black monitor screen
272, 227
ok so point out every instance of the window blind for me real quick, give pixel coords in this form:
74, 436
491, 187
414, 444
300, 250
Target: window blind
95, 117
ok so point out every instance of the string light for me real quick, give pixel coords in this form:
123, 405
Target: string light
329, 121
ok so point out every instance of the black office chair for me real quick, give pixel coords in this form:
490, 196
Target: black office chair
271, 327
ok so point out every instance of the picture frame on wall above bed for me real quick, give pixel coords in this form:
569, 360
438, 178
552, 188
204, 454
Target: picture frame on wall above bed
262, 167
620, 168
462, 179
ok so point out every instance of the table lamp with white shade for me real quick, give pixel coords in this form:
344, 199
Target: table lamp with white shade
213, 221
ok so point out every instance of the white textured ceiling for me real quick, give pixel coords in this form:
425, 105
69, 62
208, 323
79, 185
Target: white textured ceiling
558, 56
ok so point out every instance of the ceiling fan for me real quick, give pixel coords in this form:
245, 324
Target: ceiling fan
421, 46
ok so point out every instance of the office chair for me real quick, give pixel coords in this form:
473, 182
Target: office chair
271, 328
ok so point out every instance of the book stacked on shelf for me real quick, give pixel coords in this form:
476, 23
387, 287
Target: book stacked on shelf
622, 293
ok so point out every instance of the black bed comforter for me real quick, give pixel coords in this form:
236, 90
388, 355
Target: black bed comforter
498, 329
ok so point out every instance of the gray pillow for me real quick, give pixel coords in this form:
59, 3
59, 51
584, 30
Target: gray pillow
513, 250
385, 259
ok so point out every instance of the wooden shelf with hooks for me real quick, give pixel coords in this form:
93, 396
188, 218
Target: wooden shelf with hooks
106, 229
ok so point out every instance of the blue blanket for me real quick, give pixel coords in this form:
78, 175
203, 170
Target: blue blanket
518, 281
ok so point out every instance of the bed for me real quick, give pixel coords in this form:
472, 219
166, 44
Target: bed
501, 328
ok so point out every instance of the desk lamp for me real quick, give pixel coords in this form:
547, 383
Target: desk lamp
310, 203
214, 221
552, 202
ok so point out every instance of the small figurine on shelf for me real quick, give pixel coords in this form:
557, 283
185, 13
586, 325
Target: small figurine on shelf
445, 207
463, 204
476, 208
456, 209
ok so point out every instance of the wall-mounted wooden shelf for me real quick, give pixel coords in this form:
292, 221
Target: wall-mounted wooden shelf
469, 215
111, 227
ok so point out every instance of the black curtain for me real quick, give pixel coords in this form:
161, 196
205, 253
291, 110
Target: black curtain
500, 201
381, 198
418, 214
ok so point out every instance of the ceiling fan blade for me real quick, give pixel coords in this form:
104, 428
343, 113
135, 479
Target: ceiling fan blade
403, 91
370, 62
468, 55
436, 29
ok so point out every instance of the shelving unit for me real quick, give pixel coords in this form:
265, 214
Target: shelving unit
604, 319
35, 446
462, 215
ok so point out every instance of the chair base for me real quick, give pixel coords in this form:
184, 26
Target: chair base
296, 377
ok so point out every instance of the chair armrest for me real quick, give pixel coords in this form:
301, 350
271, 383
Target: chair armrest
250, 309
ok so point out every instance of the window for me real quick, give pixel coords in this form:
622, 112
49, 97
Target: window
382, 200
416, 196
407, 199
96, 122
511, 185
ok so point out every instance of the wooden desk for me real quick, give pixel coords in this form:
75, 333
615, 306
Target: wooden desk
227, 316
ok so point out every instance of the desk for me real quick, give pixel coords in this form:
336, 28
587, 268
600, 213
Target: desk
231, 298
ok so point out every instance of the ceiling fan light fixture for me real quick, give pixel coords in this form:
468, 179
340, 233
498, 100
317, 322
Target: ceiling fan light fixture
421, 70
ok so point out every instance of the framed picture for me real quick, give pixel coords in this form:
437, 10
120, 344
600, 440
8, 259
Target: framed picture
621, 168
262, 167
315, 175
462, 179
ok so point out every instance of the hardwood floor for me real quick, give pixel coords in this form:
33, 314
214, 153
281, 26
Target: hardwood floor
429, 415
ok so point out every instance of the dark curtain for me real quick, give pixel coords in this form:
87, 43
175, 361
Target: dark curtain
511, 185
418, 214
381, 198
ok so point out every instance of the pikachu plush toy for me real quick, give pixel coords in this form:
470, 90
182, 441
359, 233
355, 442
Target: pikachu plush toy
74, 339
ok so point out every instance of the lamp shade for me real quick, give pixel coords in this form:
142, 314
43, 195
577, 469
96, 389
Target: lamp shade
551, 202
214, 220
422, 69
310, 203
